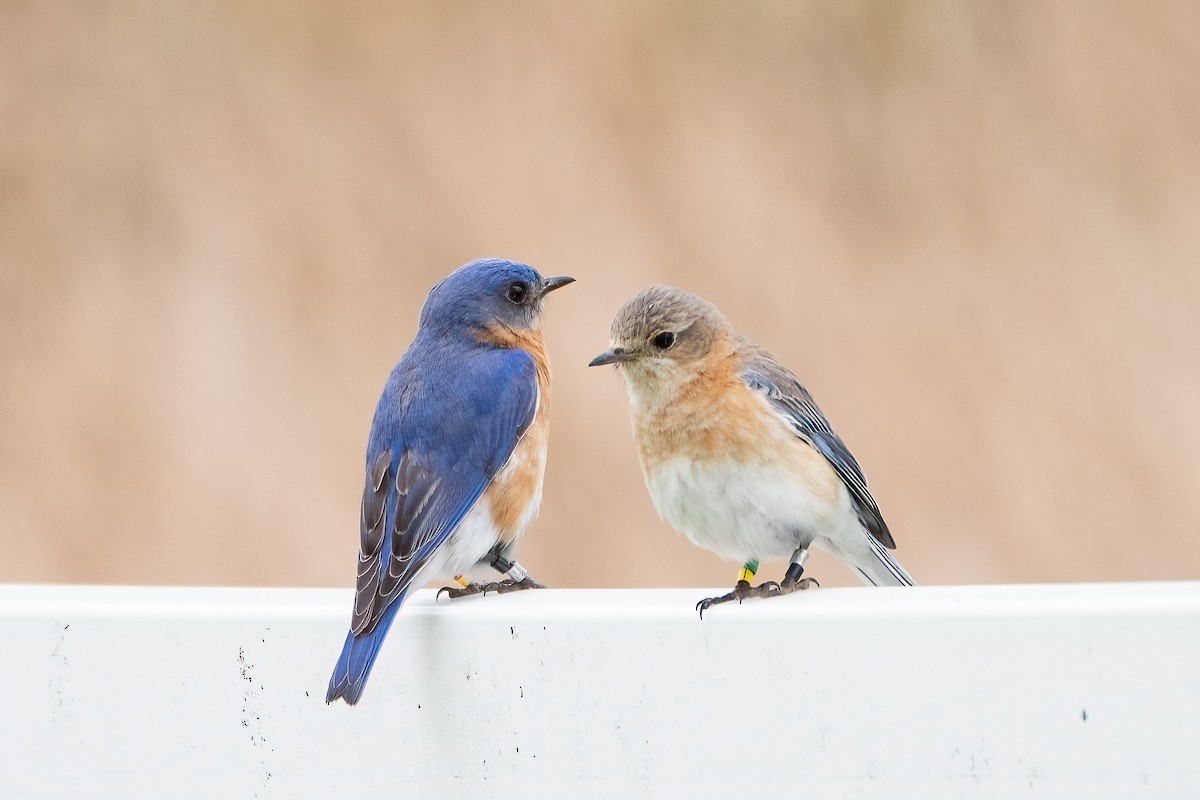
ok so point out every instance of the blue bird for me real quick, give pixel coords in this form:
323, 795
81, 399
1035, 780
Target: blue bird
456, 453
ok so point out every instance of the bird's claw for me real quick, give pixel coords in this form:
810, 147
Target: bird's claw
744, 590
789, 586
506, 586
739, 592
764, 589
452, 592
498, 587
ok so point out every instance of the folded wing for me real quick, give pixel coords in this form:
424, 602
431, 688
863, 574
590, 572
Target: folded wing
435, 445
793, 402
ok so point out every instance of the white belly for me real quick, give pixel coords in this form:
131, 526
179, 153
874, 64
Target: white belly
476, 535
742, 512
471, 541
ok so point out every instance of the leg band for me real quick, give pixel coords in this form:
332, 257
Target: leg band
796, 568
500, 563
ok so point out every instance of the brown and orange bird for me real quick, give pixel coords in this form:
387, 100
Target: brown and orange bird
735, 453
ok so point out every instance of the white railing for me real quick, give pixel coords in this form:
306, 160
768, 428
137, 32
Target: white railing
1001, 691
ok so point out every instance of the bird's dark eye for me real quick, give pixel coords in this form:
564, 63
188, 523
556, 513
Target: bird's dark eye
517, 292
663, 340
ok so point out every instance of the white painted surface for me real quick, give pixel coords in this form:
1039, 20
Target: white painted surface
925, 693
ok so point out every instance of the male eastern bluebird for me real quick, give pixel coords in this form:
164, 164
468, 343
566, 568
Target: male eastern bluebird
456, 453
735, 453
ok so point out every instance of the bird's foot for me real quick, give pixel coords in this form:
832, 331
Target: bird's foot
506, 586
454, 592
789, 585
499, 587
740, 592
744, 590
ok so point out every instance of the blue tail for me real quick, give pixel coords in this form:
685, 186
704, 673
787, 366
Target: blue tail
358, 656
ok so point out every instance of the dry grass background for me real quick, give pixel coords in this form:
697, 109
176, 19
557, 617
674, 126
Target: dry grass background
972, 229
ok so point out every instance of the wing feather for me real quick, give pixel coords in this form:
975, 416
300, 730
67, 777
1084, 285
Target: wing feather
435, 445
793, 402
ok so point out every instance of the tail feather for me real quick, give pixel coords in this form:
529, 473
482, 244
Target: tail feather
883, 569
358, 656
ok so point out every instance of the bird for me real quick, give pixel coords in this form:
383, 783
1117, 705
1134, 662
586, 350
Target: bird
455, 455
735, 453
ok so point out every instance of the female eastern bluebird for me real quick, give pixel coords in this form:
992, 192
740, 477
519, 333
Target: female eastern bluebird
735, 453
456, 453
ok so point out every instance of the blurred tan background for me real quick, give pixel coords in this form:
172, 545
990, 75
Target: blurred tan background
972, 229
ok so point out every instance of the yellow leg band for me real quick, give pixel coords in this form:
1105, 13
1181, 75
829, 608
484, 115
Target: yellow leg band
461, 581
748, 571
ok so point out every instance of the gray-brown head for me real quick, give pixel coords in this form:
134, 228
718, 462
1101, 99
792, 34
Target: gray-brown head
662, 330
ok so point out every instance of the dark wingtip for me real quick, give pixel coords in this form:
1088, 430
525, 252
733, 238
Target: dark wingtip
880, 531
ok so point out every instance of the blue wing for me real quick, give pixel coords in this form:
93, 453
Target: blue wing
439, 436
783, 391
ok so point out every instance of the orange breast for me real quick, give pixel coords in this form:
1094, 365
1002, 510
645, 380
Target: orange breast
516, 490
717, 418
711, 416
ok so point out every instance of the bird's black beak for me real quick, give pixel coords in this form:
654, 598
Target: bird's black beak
550, 284
617, 355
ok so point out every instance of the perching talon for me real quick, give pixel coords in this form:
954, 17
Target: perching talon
498, 587
766, 589
741, 591
787, 587
504, 587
